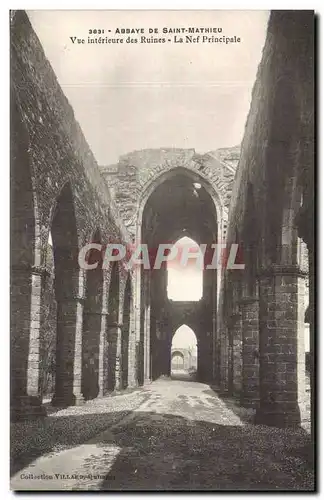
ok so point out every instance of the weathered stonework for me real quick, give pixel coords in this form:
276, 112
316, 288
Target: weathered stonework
114, 327
274, 171
136, 172
188, 360
57, 187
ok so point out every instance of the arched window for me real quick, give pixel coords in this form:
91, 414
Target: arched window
185, 272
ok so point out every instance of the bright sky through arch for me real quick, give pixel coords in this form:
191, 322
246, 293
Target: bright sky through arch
185, 283
186, 338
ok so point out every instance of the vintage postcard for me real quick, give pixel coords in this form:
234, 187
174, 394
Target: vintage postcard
162, 250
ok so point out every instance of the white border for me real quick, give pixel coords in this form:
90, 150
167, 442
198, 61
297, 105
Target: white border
4, 194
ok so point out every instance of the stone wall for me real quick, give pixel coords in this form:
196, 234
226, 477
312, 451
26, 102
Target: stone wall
189, 361
56, 186
57, 148
269, 189
137, 172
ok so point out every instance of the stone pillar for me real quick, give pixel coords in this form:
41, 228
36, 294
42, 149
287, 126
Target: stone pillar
69, 343
215, 349
114, 356
103, 348
249, 307
235, 354
147, 329
119, 382
132, 381
103, 339
224, 358
282, 360
90, 356
312, 344
26, 298
167, 344
139, 325
147, 348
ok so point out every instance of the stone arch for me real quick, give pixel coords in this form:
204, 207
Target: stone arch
92, 324
150, 317
281, 176
25, 230
282, 279
189, 322
26, 273
190, 351
67, 292
177, 354
151, 185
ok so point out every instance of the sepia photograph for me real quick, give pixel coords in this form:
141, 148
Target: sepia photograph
162, 250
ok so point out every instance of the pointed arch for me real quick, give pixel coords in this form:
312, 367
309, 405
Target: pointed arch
66, 284
26, 275
196, 177
185, 342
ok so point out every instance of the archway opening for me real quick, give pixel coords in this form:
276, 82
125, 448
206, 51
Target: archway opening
184, 351
180, 209
177, 361
66, 273
185, 273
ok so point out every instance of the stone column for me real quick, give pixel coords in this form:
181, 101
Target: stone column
167, 344
26, 299
132, 381
147, 329
103, 339
282, 360
235, 354
103, 348
215, 350
139, 324
312, 344
70, 303
119, 381
249, 307
114, 356
147, 347
69, 352
224, 358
